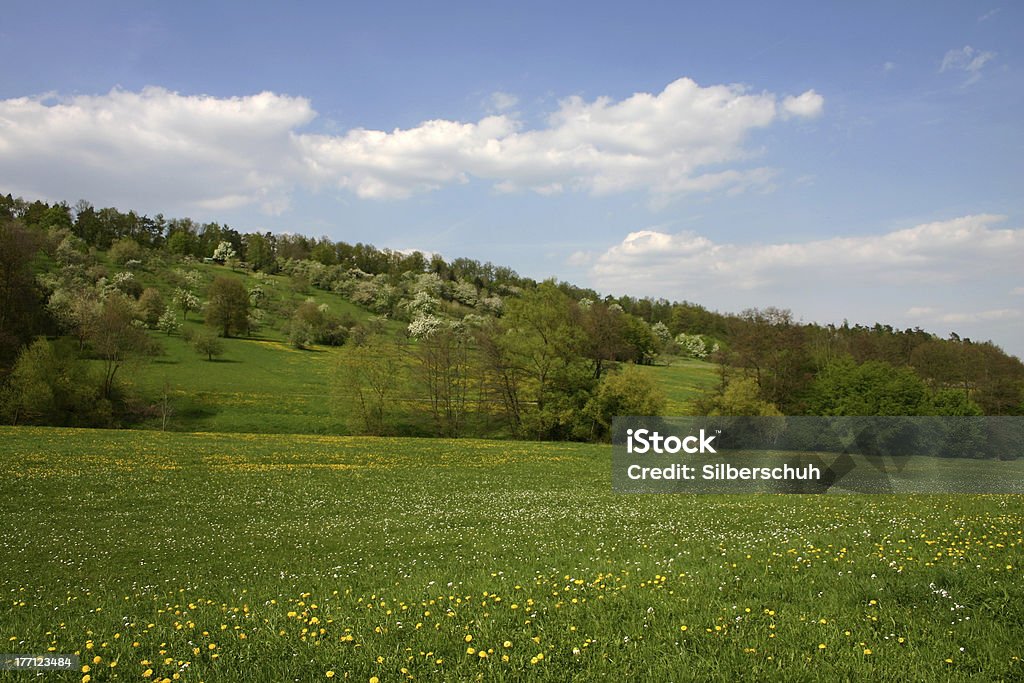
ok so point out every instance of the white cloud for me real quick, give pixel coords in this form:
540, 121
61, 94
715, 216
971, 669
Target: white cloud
956, 271
807, 105
502, 101
166, 149
942, 252
889, 67
968, 60
212, 152
409, 251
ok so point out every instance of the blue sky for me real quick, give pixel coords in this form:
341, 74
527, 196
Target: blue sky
860, 161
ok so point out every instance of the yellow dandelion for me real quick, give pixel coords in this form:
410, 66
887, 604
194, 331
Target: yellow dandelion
329, 674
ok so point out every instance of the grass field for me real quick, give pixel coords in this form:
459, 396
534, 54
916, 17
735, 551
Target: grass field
682, 380
229, 557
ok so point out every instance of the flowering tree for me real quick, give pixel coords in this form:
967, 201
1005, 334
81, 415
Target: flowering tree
186, 301
224, 252
424, 326
692, 345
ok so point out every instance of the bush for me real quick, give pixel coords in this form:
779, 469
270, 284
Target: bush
126, 283
125, 250
51, 385
151, 306
168, 322
741, 398
628, 392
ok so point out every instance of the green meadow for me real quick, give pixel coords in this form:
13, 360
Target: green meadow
263, 384
246, 557
682, 380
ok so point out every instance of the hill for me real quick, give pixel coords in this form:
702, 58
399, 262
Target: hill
170, 324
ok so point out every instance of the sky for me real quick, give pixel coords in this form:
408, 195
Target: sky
857, 161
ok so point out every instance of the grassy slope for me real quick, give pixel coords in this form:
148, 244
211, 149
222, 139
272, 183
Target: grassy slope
222, 557
260, 384
682, 381
264, 385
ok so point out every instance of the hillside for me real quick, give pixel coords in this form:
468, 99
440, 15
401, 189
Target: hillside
169, 324
242, 390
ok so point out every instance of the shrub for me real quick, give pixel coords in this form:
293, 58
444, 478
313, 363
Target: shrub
125, 250
151, 306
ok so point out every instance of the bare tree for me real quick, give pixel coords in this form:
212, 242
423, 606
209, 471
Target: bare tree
442, 361
371, 374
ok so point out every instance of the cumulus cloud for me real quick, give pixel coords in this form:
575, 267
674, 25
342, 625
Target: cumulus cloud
968, 60
958, 272
215, 152
941, 252
161, 147
808, 105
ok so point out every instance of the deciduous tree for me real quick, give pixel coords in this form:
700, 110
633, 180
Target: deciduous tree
228, 305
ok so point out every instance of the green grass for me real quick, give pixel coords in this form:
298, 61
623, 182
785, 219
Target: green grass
258, 385
682, 380
367, 557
